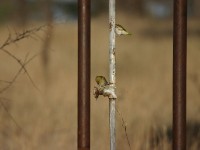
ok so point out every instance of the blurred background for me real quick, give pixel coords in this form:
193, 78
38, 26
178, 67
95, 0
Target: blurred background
38, 106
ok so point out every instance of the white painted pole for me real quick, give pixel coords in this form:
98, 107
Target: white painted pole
112, 74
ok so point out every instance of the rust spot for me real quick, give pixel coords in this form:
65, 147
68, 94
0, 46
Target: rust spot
113, 51
110, 25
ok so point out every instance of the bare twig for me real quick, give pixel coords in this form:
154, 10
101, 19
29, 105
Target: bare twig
21, 130
123, 125
19, 36
10, 115
10, 83
13, 40
4, 81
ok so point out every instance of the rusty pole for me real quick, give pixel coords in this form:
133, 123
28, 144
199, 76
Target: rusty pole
83, 74
179, 74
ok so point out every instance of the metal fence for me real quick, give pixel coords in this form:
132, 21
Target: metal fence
179, 74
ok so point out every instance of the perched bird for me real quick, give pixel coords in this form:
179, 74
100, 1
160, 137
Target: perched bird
119, 30
101, 81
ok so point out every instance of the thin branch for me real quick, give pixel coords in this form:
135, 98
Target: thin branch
26, 56
4, 81
27, 137
10, 115
22, 66
19, 36
17, 74
16, 39
123, 125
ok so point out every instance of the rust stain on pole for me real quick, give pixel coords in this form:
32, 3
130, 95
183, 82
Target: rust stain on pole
83, 74
179, 74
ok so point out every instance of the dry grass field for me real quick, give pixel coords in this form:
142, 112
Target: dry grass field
47, 119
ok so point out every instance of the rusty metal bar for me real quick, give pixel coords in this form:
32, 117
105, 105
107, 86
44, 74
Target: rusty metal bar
179, 74
84, 74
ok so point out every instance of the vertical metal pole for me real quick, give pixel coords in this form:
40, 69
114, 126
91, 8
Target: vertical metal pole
179, 74
83, 74
112, 74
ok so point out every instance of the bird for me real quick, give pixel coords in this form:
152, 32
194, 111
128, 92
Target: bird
119, 30
101, 81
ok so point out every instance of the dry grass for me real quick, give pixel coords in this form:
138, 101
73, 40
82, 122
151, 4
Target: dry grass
144, 86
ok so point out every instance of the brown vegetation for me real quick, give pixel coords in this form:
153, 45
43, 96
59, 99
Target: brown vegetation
48, 119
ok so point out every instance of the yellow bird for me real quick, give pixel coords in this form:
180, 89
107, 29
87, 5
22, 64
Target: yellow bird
119, 30
101, 81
